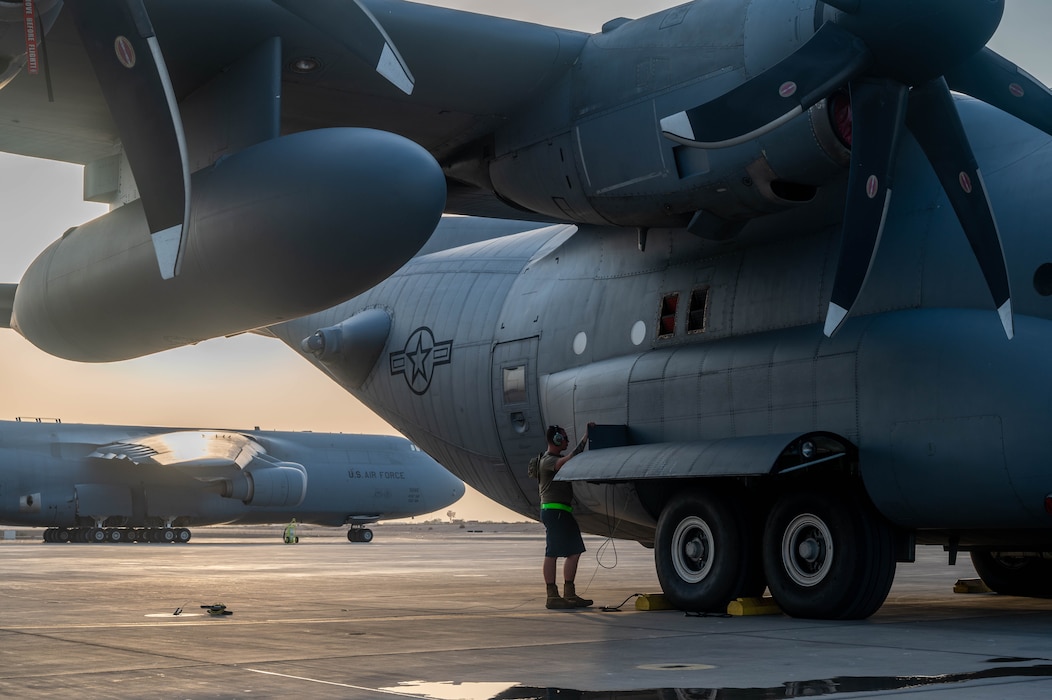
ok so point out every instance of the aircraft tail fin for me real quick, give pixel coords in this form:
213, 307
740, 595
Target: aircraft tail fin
7, 303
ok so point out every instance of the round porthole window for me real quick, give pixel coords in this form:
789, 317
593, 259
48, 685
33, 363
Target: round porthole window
1043, 280
580, 342
639, 332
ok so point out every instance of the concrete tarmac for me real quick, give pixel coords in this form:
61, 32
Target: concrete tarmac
446, 612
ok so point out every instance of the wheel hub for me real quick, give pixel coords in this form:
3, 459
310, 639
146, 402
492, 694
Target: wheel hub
810, 550
692, 549
807, 550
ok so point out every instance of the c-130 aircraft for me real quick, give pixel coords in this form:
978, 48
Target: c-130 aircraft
797, 376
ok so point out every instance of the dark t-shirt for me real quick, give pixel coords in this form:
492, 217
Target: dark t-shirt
553, 491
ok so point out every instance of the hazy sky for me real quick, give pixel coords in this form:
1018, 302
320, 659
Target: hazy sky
248, 381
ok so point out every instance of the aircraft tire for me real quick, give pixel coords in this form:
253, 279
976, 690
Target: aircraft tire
114, 534
1030, 577
166, 534
96, 535
365, 535
828, 556
702, 551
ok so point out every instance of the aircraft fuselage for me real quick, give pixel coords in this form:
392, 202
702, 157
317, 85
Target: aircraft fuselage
690, 347
62, 476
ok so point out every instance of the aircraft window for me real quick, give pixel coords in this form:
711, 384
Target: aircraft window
514, 385
698, 313
667, 320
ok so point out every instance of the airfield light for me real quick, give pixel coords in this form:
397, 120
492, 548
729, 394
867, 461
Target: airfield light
305, 64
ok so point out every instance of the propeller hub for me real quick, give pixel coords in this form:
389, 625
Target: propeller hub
914, 41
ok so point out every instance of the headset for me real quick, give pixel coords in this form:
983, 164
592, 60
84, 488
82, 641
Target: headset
558, 436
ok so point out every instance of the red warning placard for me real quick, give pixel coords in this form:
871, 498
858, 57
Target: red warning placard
32, 41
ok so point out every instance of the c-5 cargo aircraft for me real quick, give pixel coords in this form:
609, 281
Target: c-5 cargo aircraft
798, 377
104, 483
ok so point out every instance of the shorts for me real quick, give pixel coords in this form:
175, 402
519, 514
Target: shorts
562, 536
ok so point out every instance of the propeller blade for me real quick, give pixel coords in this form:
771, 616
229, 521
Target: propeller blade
828, 60
122, 47
933, 119
878, 113
353, 26
997, 81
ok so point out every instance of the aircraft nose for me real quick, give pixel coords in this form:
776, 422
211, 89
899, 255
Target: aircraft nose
459, 489
450, 487
439, 488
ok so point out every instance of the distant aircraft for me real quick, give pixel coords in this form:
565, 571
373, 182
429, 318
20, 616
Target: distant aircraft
103, 483
797, 377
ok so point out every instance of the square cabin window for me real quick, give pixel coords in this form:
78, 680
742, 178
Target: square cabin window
698, 313
514, 385
667, 318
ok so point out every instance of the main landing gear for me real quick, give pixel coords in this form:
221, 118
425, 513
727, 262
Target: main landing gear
823, 553
358, 533
1009, 574
707, 552
99, 535
828, 555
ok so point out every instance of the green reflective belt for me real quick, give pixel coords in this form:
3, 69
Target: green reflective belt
556, 506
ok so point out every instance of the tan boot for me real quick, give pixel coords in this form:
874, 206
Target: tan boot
555, 601
571, 597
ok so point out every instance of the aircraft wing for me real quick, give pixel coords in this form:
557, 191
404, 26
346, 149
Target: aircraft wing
231, 463
204, 454
471, 73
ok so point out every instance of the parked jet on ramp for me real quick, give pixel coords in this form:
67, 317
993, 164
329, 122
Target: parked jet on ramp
799, 376
101, 483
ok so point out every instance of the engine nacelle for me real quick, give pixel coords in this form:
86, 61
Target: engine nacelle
282, 229
280, 485
607, 161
